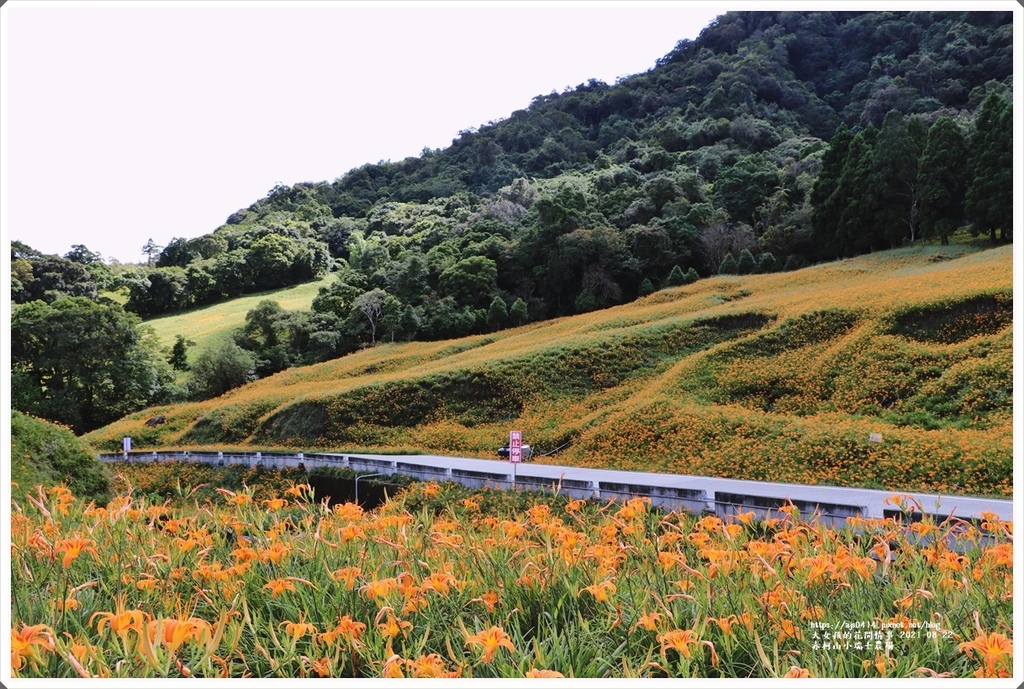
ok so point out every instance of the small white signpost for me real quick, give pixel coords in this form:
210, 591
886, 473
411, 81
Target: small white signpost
515, 450
126, 445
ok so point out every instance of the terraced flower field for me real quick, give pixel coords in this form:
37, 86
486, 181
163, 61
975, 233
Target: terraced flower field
787, 377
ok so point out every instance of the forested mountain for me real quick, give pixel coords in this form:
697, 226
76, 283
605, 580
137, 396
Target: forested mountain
773, 140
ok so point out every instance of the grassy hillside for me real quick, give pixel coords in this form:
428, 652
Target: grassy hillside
781, 377
43, 453
211, 324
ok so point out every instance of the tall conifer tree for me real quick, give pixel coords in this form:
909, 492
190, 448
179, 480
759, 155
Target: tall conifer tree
941, 180
894, 189
827, 209
990, 168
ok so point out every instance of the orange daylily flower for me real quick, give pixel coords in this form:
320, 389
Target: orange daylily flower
73, 547
440, 582
347, 576
279, 586
649, 621
299, 489
120, 621
346, 628
993, 649
431, 665
275, 553
535, 673
787, 630
392, 626
489, 600
322, 667
379, 588
491, 640
601, 591
746, 517
680, 640
575, 505
297, 630
393, 666
351, 532
173, 632
725, 623
28, 643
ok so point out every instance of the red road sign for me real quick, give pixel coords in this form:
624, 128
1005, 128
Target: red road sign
515, 446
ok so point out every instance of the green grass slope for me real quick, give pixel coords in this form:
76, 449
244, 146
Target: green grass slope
43, 453
782, 377
210, 325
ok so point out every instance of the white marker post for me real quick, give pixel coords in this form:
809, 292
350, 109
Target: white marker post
126, 445
515, 451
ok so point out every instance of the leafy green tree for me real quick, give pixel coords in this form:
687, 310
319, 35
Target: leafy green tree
675, 277
391, 319
766, 263
159, 291
150, 250
589, 255
561, 212
826, 203
82, 363
232, 274
497, 313
691, 276
585, 302
728, 266
471, 281
220, 368
270, 259
412, 282
22, 250
178, 252
179, 353
990, 169
410, 323
942, 180
857, 231
80, 253
646, 287
202, 284
370, 305
741, 187
337, 297
444, 319
50, 278
746, 264
652, 245
519, 313
259, 335
894, 177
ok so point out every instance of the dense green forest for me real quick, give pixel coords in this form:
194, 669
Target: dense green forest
771, 141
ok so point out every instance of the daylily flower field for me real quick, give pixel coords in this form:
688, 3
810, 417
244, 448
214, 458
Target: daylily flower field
442, 581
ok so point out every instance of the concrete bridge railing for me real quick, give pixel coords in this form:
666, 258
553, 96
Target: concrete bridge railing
698, 494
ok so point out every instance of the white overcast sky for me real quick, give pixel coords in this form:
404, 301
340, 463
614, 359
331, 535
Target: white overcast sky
129, 121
